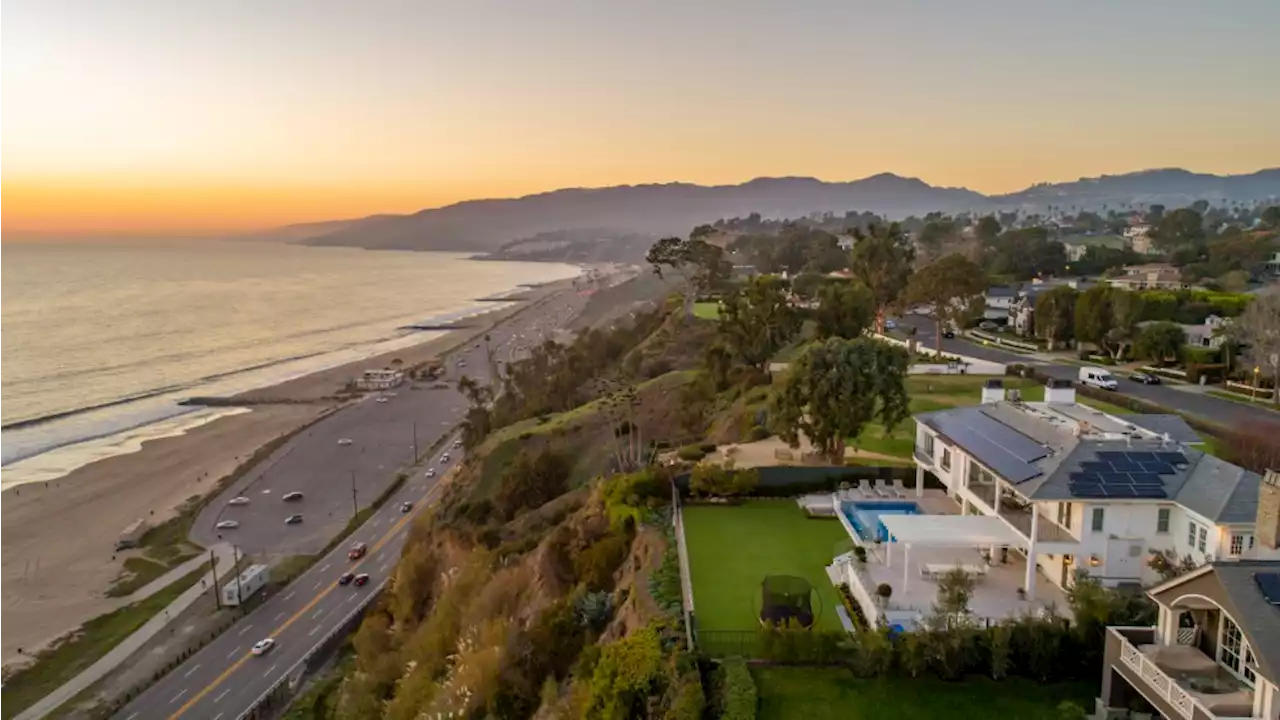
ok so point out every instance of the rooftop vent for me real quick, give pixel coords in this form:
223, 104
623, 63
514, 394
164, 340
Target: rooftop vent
1059, 392
992, 391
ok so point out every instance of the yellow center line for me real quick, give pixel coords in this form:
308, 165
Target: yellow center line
285, 625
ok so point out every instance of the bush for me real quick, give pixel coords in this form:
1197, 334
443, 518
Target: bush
757, 433
595, 566
738, 697
532, 480
712, 480
707, 447
691, 453
1199, 355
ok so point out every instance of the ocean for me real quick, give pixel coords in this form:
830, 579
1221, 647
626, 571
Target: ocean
100, 343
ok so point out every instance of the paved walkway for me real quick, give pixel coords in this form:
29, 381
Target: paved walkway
129, 645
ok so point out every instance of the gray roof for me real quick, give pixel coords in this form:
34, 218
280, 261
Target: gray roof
1208, 486
1177, 428
1258, 619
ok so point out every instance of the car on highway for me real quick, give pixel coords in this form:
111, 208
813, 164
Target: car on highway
949, 334
293, 520
263, 646
1098, 377
357, 551
360, 579
344, 441
444, 458
240, 500
346, 578
457, 443
227, 525
431, 472
890, 325
294, 496
406, 506
1144, 378
381, 400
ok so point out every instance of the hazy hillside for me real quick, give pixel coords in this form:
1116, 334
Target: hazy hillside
643, 209
675, 208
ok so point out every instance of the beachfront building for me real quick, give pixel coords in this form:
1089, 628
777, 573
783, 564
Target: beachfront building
379, 379
1214, 653
1034, 492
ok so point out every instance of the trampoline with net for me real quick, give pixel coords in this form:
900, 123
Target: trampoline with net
786, 601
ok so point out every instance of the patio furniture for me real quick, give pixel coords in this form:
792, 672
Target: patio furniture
899, 489
864, 488
882, 489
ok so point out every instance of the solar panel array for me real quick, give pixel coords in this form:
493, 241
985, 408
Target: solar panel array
1269, 584
1125, 474
1007, 452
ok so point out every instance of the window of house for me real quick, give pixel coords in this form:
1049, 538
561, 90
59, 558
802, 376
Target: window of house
1235, 654
946, 458
1064, 515
1162, 520
1202, 539
1191, 534
1098, 518
926, 444
1237, 544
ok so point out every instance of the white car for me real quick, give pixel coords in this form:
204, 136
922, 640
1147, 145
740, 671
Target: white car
344, 441
457, 443
381, 400
292, 496
241, 500
444, 458
262, 647
431, 472
227, 525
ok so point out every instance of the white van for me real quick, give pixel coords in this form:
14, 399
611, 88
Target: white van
1097, 377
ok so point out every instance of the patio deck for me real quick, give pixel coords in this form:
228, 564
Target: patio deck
995, 595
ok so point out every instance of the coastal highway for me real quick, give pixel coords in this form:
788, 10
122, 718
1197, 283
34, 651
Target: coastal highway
223, 680
383, 435
1212, 409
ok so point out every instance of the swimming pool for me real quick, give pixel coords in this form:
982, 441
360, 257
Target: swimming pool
865, 517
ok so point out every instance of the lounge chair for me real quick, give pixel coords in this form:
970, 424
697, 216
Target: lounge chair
882, 489
864, 489
899, 489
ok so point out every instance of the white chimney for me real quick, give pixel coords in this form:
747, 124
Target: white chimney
1059, 392
992, 391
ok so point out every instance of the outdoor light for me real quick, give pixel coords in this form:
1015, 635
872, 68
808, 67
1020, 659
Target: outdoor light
1094, 561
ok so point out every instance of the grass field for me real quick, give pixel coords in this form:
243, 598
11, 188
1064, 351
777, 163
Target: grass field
822, 693
707, 310
732, 549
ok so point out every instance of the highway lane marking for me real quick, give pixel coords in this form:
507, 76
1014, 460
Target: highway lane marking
177, 697
317, 585
291, 594
326, 567
188, 673
131, 717
222, 694
318, 614
234, 653
246, 629
306, 609
314, 630
278, 616
215, 717
269, 671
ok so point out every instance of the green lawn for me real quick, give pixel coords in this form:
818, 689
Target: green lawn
732, 549
707, 310
822, 693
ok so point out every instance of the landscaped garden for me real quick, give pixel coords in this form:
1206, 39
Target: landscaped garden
733, 547
707, 310
818, 693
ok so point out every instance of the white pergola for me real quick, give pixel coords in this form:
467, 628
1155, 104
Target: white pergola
952, 531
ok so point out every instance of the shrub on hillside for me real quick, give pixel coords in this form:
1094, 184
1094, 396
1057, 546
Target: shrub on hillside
531, 480
759, 432
711, 480
691, 453
596, 565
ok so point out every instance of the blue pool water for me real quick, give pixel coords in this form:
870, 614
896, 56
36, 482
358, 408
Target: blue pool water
865, 517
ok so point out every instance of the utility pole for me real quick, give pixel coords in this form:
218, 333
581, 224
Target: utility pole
355, 507
213, 566
235, 568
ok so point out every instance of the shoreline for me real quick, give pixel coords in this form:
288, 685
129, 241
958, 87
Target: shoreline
53, 579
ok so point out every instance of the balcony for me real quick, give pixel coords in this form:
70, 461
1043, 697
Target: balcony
923, 456
1179, 679
1018, 515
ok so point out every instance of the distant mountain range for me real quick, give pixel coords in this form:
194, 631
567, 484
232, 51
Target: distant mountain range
675, 208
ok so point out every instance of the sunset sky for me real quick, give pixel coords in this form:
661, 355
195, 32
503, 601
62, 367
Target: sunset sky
150, 116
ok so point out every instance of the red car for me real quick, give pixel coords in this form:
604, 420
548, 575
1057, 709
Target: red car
357, 551
361, 579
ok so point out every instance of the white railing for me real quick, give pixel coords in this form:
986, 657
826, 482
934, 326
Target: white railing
682, 557
857, 587
1183, 702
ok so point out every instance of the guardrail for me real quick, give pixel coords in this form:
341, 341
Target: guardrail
682, 554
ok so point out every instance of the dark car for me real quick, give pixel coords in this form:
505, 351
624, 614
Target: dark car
360, 579
346, 578
293, 520
949, 334
1145, 378
406, 507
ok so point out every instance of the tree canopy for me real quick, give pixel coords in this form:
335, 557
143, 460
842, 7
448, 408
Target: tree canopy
701, 265
836, 388
881, 260
948, 287
757, 320
1159, 341
845, 309
1055, 315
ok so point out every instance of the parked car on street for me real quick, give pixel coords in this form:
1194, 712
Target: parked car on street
241, 500
292, 496
293, 520
1145, 378
227, 525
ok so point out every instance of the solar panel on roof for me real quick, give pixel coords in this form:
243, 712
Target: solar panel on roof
1149, 478
1151, 493
987, 452
1008, 439
1158, 467
1095, 467
1269, 584
1125, 465
1120, 491
1083, 477
1114, 477
1110, 455
1089, 492
1142, 457
1172, 458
